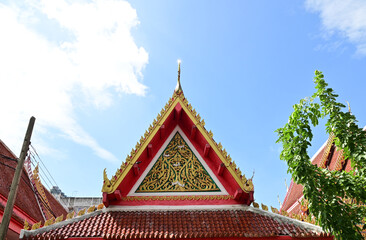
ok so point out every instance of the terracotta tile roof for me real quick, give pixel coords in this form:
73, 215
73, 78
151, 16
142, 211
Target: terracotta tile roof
168, 224
27, 202
26, 199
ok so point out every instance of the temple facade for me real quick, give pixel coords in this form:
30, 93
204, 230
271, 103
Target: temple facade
177, 183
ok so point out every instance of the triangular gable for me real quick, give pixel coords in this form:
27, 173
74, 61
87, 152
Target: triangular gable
177, 169
177, 112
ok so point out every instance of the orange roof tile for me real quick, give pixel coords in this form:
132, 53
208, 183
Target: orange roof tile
168, 224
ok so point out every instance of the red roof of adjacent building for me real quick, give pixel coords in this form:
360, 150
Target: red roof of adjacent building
26, 205
246, 222
328, 156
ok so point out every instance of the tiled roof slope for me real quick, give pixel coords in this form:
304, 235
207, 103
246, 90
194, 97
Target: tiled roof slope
295, 192
245, 222
27, 202
26, 199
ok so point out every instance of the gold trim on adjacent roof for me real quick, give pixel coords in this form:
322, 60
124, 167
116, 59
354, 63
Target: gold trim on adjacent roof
327, 151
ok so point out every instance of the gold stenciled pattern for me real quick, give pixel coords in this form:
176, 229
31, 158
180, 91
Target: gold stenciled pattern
181, 198
177, 170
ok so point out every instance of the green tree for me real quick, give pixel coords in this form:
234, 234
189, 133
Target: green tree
335, 197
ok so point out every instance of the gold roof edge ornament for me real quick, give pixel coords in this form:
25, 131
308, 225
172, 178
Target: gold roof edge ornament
110, 185
26, 225
36, 225
106, 183
178, 88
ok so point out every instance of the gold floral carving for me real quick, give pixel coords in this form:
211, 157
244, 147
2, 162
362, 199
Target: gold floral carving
81, 212
264, 207
49, 222
26, 225
177, 170
100, 206
36, 225
175, 198
59, 219
91, 209
275, 210
70, 215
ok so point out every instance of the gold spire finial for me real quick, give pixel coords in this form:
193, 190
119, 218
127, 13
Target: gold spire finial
178, 87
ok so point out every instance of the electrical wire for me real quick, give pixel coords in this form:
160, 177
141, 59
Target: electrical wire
41, 175
8, 158
43, 164
41, 168
30, 186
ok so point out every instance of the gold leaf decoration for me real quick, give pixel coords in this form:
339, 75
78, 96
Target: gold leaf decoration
210, 134
26, 225
224, 152
91, 209
256, 205
70, 215
107, 185
81, 212
49, 222
274, 210
59, 218
189, 107
100, 206
264, 207
219, 146
248, 186
233, 165
175, 198
177, 170
36, 225
202, 123
198, 117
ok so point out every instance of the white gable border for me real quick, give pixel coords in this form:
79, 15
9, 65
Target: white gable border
156, 157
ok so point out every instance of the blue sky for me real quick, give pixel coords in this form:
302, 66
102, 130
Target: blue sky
96, 73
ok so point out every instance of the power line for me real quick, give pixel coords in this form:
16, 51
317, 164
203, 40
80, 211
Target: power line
26, 181
41, 168
43, 164
8, 158
42, 175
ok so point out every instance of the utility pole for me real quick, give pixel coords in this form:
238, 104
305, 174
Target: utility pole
14, 185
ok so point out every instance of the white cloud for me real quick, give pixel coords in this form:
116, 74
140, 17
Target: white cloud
52, 51
345, 17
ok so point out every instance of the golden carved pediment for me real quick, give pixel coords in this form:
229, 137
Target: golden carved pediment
177, 170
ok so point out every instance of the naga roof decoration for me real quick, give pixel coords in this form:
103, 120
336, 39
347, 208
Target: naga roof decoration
40, 194
178, 100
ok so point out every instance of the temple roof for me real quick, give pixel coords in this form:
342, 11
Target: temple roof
207, 163
239, 222
328, 156
26, 205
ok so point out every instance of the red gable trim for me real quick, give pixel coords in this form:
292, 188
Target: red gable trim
177, 117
